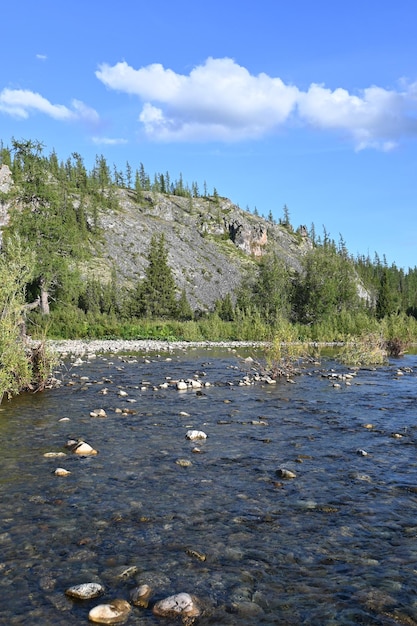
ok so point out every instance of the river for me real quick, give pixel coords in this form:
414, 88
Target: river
336, 544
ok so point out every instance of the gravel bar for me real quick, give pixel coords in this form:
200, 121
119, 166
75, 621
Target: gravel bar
84, 348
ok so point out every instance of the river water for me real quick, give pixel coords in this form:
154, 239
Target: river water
335, 545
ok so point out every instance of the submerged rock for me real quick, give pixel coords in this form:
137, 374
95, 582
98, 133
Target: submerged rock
181, 605
183, 462
114, 612
85, 591
140, 596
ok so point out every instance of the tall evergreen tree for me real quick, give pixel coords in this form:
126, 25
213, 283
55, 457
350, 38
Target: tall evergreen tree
155, 295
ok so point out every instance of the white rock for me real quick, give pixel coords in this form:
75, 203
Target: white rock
182, 385
60, 471
85, 591
84, 449
285, 473
196, 384
98, 413
112, 613
195, 434
52, 455
140, 596
122, 393
179, 605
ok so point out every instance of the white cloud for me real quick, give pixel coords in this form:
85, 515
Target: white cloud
108, 141
21, 103
41, 57
375, 118
221, 101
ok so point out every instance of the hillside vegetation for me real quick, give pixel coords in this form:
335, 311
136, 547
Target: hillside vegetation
120, 253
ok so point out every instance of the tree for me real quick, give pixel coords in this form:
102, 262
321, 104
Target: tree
326, 286
272, 289
155, 295
15, 271
184, 310
49, 225
385, 303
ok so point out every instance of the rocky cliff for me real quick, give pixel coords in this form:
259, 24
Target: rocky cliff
212, 243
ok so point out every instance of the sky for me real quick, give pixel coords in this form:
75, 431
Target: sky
308, 104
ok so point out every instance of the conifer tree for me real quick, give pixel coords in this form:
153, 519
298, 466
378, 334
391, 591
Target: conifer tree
155, 295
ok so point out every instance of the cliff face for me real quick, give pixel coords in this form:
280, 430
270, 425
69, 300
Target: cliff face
212, 244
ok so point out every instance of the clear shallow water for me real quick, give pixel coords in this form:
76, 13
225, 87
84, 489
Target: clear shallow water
336, 545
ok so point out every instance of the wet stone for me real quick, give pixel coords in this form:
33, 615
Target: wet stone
286, 473
195, 434
114, 612
85, 591
140, 596
181, 605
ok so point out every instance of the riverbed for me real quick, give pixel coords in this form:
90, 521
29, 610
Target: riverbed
299, 506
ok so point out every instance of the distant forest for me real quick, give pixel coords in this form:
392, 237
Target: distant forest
54, 209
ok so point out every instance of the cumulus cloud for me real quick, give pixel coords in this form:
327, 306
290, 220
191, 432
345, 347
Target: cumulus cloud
21, 103
221, 100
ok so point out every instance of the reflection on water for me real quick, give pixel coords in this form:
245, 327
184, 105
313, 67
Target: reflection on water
336, 545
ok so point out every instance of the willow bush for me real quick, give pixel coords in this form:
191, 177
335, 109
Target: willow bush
21, 366
368, 349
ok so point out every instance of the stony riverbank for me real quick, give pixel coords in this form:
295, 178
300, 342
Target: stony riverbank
80, 347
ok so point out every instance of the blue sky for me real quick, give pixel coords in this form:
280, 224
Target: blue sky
307, 104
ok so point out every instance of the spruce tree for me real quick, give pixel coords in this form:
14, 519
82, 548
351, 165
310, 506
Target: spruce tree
155, 295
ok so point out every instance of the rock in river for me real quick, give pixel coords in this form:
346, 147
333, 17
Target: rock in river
195, 434
61, 471
114, 612
179, 605
85, 591
140, 596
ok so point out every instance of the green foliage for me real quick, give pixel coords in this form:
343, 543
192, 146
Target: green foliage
367, 349
326, 286
155, 295
20, 366
285, 351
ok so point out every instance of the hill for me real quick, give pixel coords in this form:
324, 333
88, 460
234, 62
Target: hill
213, 245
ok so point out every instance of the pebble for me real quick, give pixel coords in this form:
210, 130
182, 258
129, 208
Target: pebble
179, 605
140, 596
195, 434
114, 612
84, 449
98, 413
286, 473
85, 591
183, 462
54, 455
60, 471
